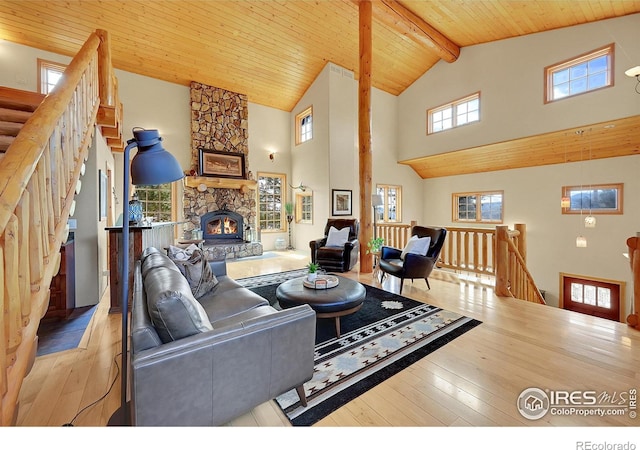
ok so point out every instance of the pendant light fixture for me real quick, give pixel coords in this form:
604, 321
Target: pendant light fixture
581, 241
590, 220
565, 202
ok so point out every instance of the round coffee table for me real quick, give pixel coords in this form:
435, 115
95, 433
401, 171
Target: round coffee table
345, 298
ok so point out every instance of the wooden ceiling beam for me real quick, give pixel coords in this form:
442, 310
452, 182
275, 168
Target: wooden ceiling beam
406, 22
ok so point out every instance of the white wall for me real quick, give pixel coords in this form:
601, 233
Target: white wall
310, 160
509, 75
270, 132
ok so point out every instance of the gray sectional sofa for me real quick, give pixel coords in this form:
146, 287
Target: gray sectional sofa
207, 361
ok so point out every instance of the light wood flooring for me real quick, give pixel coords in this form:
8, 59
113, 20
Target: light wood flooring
473, 381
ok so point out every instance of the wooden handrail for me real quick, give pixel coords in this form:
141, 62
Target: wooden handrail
469, 249
395, 234
39, 178
513, 278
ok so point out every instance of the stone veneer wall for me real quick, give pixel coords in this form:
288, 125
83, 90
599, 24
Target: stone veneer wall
219, 121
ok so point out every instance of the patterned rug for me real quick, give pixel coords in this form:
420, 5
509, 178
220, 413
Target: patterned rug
388, 334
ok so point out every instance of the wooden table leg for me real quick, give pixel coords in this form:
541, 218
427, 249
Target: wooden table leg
337, 326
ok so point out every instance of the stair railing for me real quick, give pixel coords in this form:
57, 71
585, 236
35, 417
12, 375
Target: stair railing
513, 279
470, 250
39, 178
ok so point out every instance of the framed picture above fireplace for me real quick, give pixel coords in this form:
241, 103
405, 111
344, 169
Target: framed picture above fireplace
212, 163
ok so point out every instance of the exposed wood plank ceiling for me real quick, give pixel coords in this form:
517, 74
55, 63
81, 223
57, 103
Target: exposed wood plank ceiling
596, 141
273, 50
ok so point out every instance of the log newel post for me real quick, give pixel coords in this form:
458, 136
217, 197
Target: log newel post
364, 134
633, 245
105, 81
522, 239
502, 261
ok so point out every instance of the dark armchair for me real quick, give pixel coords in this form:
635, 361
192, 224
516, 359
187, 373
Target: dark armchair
413, 265
337, 258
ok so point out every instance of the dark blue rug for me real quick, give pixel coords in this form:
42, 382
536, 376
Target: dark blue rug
56, 335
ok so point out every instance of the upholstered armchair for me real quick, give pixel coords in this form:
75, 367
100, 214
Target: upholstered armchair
417, 259
337, 252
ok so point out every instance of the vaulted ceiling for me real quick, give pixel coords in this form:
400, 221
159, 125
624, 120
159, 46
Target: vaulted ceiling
272, 50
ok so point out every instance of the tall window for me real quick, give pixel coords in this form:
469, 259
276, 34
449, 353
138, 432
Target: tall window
454, 114
588, 72
271, 194
478, 207
392, 198
304, 126
157, 201
49, 73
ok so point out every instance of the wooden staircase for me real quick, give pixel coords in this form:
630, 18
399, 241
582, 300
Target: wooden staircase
44, 143
16, 107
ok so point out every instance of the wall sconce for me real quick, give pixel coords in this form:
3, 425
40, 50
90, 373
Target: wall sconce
272, 156
634, 72
565, 202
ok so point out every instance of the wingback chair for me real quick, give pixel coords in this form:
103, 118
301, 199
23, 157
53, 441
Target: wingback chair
413, 265
337, 258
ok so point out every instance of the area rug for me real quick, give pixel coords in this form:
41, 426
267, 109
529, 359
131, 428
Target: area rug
389, 333
56, 335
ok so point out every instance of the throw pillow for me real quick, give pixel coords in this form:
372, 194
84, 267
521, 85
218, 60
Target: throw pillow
198, 273
337, 238
173, 310
417, 245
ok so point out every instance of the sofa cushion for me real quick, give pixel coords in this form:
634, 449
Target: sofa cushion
174, 311
229, 299
152, 259
198, 273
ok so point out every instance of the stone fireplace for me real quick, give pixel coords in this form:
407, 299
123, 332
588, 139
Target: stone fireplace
219, 121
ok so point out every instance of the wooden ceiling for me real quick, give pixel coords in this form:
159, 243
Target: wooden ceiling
273, 50
596, 141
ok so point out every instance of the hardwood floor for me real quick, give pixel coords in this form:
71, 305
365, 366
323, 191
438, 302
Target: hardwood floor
473, 381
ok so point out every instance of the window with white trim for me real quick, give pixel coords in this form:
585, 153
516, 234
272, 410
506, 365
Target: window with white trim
49, 73
304, 125
454, 114
588, 72
478, 207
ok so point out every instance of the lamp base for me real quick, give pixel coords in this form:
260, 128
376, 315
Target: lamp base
119, 417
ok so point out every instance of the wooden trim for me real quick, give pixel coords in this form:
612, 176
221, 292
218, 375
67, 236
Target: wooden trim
298, 125
551, 69
621, 286
618, 186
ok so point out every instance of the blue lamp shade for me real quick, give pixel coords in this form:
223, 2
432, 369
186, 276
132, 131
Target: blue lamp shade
152, 164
